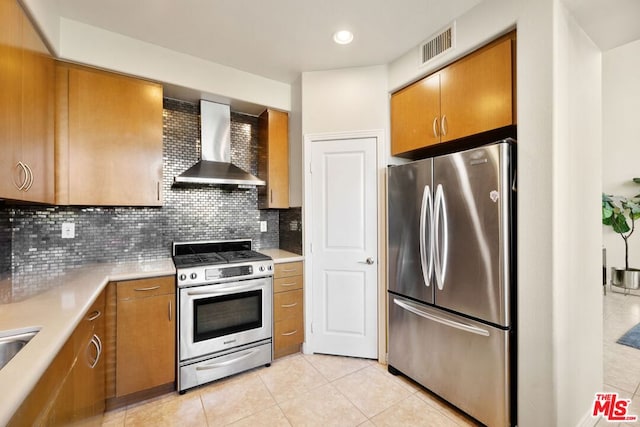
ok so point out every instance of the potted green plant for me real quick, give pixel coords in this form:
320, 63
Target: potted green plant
621, 213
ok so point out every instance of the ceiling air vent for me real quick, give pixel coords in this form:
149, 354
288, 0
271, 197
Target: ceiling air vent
437, 45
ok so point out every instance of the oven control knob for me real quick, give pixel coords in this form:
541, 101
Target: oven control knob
193, 276
261, 268
183, 277
270, 267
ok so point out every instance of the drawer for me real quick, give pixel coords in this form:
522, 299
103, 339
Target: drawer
288, 269
287, 305
288, 332
143, 288
287, 284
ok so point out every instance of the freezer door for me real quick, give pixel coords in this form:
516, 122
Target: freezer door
463, 361
471, 232
409, 230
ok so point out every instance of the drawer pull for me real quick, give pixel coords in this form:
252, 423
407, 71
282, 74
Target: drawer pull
93, 316
288, 305
287, 284
286, 334
289, 270
152, 288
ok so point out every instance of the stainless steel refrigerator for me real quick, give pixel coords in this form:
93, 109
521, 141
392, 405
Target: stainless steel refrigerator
451, 237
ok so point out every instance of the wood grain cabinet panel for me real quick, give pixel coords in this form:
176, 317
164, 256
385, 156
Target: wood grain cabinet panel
415, 115
476, 92
273, 164
288, 309
109, 139
72, 389
146, 332
473, 95
27, 80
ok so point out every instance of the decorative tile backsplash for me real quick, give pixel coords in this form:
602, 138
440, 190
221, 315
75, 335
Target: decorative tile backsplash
291, 230
30, 236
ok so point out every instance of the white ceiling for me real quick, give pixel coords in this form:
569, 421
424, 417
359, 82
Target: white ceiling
609, 23
277, 39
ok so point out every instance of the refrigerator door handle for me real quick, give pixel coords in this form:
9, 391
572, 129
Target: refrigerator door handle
441, 251
447, 322
426, 248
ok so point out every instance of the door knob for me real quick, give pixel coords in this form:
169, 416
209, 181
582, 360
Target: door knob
368, 261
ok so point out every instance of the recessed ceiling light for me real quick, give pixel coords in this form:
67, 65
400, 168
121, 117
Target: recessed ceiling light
343, 37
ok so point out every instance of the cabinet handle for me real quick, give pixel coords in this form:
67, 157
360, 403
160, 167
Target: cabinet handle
21, 186
434, 126
158, 189
443, 125
271, 195
286, 334
169, 311
93, 316
152, 288
288, 270
288, 305
30, 178
95, 340
288, 284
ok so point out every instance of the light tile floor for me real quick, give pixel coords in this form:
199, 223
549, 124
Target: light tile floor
298, 390
621, 363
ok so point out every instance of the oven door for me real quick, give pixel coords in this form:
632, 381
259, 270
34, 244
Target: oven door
220, 316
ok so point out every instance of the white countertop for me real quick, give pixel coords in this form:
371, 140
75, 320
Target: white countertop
280, 256
56, 310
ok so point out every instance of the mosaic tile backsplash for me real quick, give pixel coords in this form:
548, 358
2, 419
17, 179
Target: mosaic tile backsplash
30, 239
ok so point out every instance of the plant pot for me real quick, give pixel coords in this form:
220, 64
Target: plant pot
628, 279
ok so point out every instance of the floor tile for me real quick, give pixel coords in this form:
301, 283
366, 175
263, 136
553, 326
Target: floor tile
413, 411
236, 398
334, 367
172, 410
449, 410
270, 417
290, 376
372, 390
114, 418
322, 406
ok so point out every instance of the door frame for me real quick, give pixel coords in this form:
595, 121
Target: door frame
307, 223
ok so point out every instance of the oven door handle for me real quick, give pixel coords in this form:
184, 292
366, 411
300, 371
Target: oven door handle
223, 290
228, 362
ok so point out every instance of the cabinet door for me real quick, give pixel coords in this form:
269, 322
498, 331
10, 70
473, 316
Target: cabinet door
115, 140
273, 166
415, 116
11, 99
38, 80
145, 343
476, 93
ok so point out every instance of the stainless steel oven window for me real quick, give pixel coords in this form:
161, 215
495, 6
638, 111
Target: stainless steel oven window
227, 314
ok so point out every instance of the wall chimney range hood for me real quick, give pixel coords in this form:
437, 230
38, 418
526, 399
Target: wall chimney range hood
215, 165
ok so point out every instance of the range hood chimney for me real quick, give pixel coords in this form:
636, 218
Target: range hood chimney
215, 165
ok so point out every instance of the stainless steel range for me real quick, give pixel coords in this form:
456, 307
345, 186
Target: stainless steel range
224, 310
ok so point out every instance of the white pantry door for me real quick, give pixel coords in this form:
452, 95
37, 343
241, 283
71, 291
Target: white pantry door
344, 247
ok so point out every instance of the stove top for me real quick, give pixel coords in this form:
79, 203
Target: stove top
210, 261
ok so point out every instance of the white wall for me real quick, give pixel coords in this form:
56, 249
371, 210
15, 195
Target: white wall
621, 139
46, 13
295, 145
577, 172
345, 100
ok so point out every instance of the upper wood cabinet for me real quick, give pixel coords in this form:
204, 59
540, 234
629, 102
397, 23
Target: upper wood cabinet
27, 79
473, 95
108, 139
273, 164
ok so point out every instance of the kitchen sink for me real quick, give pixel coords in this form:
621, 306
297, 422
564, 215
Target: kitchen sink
11, 342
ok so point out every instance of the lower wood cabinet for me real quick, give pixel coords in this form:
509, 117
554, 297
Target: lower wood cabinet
72, 389
288, 319
145, 335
